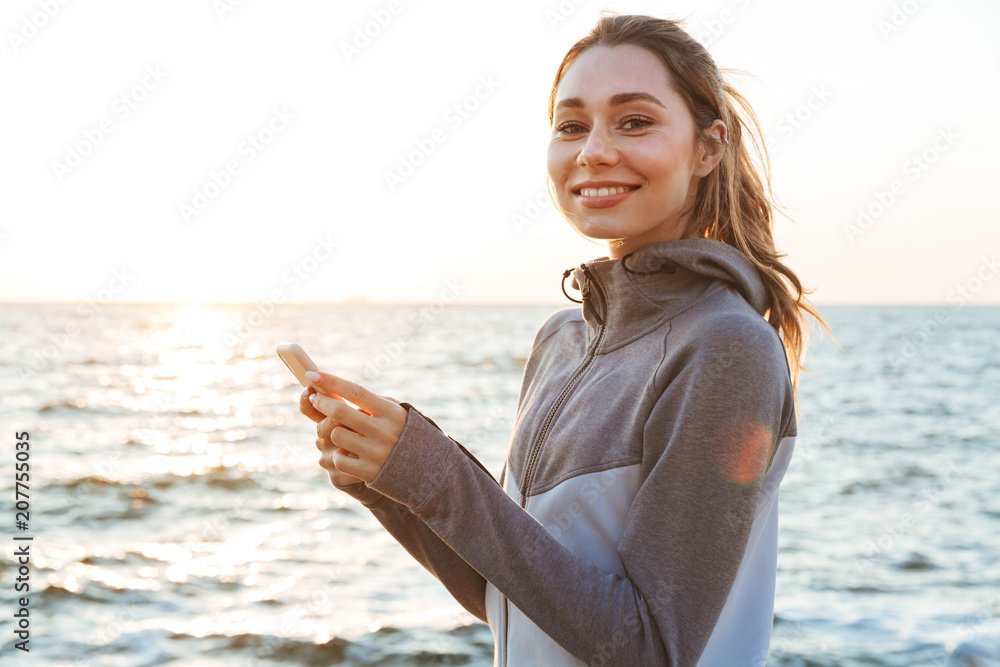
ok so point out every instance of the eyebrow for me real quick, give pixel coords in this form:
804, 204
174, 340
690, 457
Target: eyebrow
614, 100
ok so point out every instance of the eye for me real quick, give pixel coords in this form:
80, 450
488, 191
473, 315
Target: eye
570, 127
635, 122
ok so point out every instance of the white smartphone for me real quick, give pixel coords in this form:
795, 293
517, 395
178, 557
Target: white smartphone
298, 362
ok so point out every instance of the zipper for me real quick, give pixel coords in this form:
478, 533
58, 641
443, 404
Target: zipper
548, 422
562, 397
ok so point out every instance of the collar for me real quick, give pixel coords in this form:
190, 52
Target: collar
624, 299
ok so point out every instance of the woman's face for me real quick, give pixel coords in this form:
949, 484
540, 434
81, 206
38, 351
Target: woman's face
624, 160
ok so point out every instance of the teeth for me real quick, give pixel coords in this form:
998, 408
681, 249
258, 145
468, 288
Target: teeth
604, 192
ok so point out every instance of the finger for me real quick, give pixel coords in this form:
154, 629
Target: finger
307, 396
306, 406
325, 427
339, 411
327, 453
349, 440
347, 465
340, 479
326, 448
334, 385
323, 441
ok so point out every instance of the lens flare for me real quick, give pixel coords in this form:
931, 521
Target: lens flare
745, 452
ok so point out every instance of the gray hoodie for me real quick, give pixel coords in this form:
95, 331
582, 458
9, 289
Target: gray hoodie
635, 520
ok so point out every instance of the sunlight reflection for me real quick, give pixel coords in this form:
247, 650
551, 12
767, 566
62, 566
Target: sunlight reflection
71, 577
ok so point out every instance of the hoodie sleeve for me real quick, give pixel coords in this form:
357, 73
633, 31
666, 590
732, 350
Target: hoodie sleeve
707, 443
466, 585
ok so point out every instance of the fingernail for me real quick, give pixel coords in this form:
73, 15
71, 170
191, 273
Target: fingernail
312, 398
312, 375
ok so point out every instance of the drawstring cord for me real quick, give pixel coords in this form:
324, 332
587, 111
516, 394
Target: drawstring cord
565, 276
586, 272
665, 267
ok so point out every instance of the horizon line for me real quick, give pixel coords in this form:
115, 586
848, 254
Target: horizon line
366, 302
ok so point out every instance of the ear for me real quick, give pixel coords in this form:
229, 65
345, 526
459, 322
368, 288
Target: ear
712, 148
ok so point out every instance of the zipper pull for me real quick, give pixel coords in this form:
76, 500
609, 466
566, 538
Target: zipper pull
586, 293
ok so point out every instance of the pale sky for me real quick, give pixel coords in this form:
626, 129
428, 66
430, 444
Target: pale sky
121, 118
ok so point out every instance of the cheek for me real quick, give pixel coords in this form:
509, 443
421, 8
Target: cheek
558, 163
551, 165
661, 156
654, 161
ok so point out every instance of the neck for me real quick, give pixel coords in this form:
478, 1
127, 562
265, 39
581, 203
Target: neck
618, 248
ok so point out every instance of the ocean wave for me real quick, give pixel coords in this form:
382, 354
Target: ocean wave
228, 477
916, 561
64, 404
231, 478
77, 482
55, 596
388, 646
977, 652
268, 647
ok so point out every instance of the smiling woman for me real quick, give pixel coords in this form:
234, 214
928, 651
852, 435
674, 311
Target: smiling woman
641, 143
635, 520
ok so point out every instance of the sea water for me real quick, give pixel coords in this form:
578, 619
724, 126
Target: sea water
178, 514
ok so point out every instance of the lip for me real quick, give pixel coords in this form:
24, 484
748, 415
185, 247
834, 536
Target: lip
603, 202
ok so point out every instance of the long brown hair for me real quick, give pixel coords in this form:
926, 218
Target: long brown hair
734, 203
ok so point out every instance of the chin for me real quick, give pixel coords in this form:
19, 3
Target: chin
604, 233
599, 234
597, 231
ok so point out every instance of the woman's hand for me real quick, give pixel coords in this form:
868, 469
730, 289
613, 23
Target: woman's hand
324, 427
354, 443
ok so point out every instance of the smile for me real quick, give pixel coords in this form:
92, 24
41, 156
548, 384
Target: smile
604, 197
594, 193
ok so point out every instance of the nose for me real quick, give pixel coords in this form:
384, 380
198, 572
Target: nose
598, 150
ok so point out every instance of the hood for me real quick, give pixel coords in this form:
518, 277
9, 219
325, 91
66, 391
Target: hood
624, 299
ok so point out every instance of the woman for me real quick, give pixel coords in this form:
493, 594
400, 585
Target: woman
635, 520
